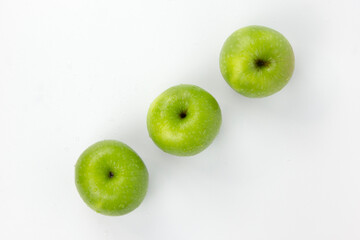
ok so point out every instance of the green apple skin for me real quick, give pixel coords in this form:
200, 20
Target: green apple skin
184, 120
257, 61
111, 178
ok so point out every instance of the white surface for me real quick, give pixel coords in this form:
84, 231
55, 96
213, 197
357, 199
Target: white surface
74, 72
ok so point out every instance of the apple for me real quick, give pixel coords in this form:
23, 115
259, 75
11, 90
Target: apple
184, 120
257, 61
111, 178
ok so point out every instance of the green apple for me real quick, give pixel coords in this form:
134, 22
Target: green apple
111, 178
257, 61
184, 120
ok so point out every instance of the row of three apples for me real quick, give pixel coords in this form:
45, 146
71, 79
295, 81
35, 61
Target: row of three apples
112, 179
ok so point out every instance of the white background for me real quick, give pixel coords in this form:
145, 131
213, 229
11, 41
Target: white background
74, 72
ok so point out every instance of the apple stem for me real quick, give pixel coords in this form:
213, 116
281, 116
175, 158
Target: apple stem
261, 63
183, 114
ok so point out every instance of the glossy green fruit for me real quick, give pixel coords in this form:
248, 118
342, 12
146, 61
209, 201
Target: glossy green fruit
257, 61
111, 178
184, 120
